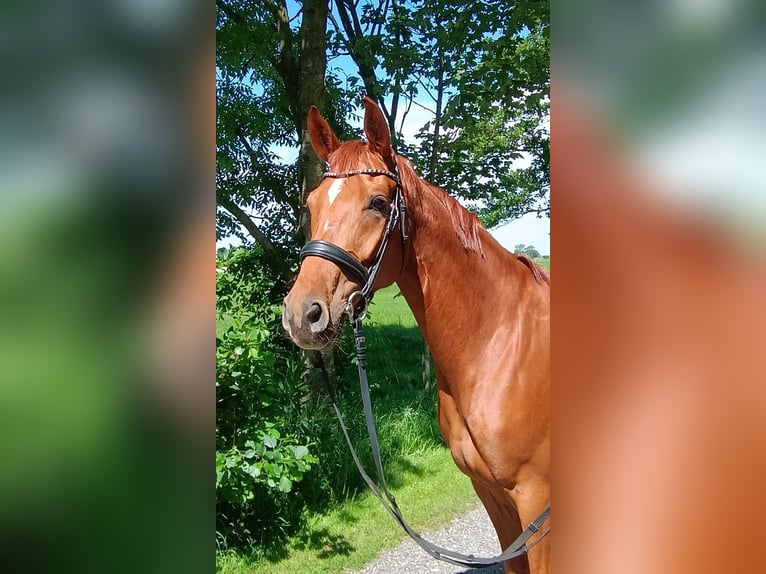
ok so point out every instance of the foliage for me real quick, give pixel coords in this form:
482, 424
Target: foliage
252, 116
278, 449
485, 75
528, 250
431, 492
493, 67
257, 74
262, 443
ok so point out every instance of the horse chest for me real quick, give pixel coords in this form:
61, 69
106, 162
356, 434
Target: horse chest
477, 449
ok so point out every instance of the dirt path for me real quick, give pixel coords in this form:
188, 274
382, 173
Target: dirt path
470, 533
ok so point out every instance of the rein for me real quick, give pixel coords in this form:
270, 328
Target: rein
356, 314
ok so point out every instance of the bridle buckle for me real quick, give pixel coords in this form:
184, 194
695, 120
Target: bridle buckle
353, 311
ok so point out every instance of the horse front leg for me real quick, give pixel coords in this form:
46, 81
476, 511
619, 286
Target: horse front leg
505, 518
531, 501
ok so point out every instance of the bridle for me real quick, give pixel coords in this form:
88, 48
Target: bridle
350, 265
356, 309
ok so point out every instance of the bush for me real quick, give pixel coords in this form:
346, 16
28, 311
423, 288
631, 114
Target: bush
279, 451
262, 442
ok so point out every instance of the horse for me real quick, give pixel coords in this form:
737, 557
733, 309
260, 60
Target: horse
484, 313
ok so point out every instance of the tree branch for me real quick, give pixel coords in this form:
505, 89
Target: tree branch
404, 115
239, 214
382, 9
346, 11
255, 162
424, 107
286, 65
426, 88
229, 11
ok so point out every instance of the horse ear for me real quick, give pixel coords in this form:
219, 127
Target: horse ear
323, 140
376, 130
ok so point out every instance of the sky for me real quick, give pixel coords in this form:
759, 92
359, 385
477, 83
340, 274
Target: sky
529, 230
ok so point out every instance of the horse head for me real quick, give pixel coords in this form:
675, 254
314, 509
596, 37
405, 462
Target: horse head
354, 211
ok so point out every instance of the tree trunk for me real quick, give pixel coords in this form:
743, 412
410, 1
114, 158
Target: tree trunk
425, 358
425, 362
433, 160
313, 37
311, 93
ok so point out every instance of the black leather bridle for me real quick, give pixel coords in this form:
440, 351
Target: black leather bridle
349, 264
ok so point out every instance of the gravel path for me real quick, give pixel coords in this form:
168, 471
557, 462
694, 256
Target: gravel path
470, 533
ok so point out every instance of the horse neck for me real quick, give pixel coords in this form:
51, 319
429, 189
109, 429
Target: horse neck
452, 289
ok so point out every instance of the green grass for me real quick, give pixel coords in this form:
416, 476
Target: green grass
348, 532
544, 262
389, 308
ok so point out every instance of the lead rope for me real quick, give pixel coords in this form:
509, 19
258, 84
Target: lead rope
516, 548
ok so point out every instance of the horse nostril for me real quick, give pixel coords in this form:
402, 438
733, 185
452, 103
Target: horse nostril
314, 313
316, 317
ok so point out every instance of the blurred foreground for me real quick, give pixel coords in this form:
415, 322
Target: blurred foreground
659, 302
106, 287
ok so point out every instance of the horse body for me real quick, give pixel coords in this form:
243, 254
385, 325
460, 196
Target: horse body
484, 313
485, 316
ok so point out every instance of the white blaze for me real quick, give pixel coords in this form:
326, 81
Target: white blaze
334, 190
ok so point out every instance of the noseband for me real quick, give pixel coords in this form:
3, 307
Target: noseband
349, 264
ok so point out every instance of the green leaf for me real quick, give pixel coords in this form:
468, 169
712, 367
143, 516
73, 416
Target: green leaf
301, 451
285, 484
253, 470
269, 441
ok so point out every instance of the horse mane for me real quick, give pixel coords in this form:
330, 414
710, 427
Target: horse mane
465, 223
355, 154
540, 275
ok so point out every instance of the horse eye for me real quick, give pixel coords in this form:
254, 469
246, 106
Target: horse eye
379, 203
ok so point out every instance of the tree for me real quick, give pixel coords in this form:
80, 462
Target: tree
269, 73
527, 250
483, 73
487, 75
496, 115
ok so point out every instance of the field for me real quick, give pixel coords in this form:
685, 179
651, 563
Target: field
544, 262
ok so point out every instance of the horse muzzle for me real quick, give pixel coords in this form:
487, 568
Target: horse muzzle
308, 323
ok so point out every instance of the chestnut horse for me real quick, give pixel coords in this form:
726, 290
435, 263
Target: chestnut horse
484, 312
